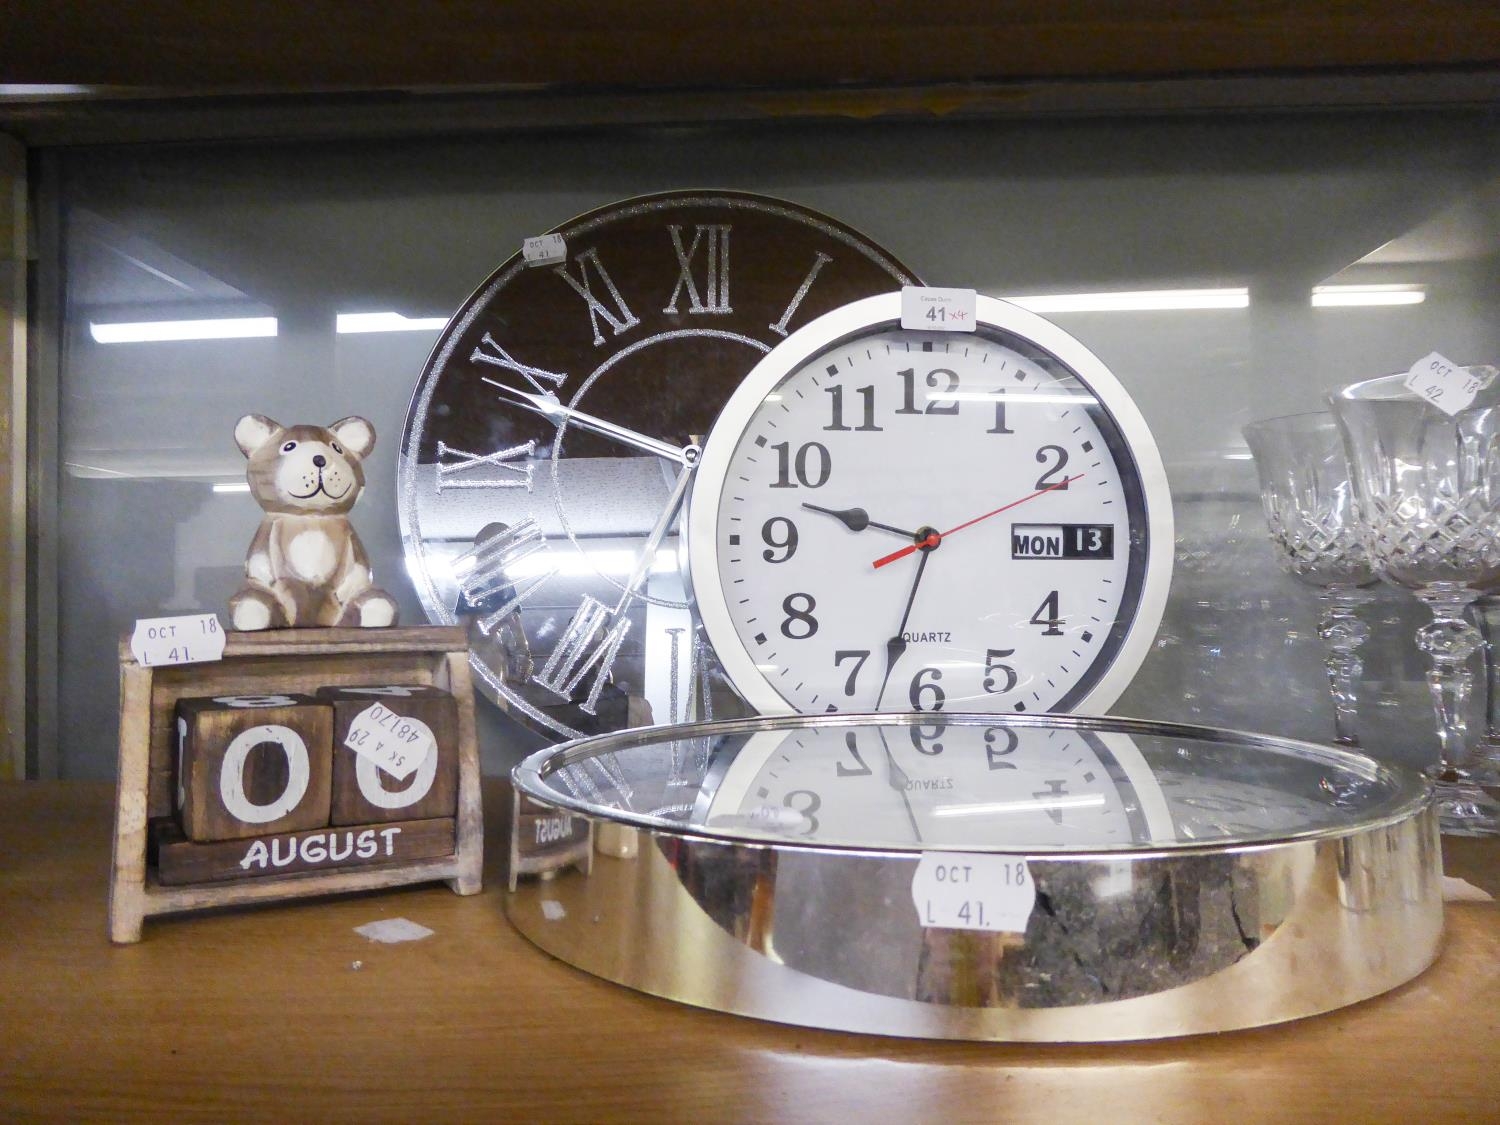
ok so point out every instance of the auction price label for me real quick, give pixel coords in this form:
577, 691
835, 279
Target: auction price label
931, 309
973, 891
1446, 385
544, 250
194, 639
396, 743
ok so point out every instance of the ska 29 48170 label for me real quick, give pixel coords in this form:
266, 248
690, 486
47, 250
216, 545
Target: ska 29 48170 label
973, 891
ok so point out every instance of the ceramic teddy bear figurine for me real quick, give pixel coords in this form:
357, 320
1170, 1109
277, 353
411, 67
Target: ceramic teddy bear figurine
306, 565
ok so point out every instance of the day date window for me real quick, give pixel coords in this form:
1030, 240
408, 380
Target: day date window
1062, 541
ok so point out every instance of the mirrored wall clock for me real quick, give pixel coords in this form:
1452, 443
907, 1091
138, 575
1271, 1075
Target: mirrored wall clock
890, 519
554, 431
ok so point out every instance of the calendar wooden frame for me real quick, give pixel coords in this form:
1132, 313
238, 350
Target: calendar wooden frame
279, 661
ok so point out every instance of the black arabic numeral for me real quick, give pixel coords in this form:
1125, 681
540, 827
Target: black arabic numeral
812, 805
999, 427
1049, 478
992, 665
920, 738
992, 755
948, 404
804, 615
1056, 788
859, 769
867, 394
1052, 622
859, 656
918, 688
786, 542
786, 463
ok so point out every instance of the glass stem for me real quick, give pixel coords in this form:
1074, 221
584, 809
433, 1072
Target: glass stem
1343, 633
1485, 611
1449, 641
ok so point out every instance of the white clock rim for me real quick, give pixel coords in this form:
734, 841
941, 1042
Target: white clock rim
884, 311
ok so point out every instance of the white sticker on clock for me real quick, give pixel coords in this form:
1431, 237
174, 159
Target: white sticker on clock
544, 250
396, 743
1446, 385
938, 310
973, 891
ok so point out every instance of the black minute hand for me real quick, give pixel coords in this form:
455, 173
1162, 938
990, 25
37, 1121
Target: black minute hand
897, 644
857, 519
896, 778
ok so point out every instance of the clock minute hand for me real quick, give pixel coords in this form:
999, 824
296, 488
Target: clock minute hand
937, 537
549, 407
896, 778
896, 646
857, 519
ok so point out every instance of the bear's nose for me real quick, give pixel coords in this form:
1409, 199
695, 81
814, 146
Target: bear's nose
319, 460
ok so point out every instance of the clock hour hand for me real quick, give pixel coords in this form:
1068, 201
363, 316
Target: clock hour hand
549, 407
857, 519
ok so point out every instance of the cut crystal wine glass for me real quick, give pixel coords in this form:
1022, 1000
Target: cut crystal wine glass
1310, 510
1428, 486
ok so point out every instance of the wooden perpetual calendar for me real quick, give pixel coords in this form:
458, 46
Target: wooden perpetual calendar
194, 826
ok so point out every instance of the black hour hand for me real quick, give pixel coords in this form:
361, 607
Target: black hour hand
857, 519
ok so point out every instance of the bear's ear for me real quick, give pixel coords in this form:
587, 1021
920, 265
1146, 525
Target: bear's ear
253, 431
357, 435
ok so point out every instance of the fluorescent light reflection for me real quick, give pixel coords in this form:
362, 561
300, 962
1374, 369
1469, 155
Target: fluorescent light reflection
1355, 296
41, 90
1092, 801
347, 323
1146, 300
233, 486
156, 331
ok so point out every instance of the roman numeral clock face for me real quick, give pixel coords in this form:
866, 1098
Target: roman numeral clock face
890, 519
555, 432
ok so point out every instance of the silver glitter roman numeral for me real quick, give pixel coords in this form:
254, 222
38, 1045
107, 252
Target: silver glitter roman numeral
513, 475
713, 296
485, 569
593, 637
618, 319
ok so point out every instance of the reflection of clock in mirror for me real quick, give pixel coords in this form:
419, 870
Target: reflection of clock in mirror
937, 785
1035, 784
951, 784
893, 519
551, 439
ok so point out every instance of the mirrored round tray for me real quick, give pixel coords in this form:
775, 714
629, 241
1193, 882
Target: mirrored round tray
1036, 878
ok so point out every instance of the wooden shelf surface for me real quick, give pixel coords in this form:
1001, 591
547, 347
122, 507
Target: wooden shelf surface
284, 1012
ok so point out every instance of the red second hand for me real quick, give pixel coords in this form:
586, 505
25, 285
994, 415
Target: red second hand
938, 537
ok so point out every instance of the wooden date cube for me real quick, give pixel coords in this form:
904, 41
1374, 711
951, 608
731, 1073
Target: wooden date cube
395, 717
252, 765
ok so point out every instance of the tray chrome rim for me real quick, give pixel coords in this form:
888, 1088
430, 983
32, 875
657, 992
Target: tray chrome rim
1332, 917
530, 775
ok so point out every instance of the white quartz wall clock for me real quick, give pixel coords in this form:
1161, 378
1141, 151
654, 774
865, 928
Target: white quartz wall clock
555, 429
895, 519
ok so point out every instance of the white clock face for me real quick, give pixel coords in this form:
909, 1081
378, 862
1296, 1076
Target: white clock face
888, 519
